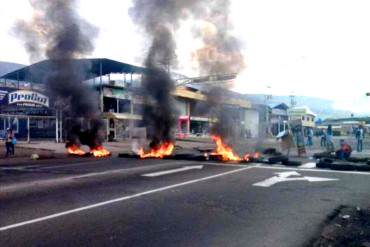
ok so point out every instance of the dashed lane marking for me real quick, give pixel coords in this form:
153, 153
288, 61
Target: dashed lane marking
120, 199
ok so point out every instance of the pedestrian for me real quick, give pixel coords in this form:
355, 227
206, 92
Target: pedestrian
360, 138
329, 139
287, 141
309, 137
9, 142
323, 139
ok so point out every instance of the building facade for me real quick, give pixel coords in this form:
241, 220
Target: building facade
279, 118
117, 88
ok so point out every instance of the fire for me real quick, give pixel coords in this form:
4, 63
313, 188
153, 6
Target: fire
165, 149
249, 157
100, 151
224, 150
76, 150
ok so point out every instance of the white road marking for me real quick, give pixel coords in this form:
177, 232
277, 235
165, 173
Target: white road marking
124, 198
68, 179
286, 177
166, 172
93, 174
227, 164
311, 170
308, 165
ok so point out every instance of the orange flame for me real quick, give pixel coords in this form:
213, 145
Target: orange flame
248, 157
256, 155
224, 150
100, 151
76, 150
165, 149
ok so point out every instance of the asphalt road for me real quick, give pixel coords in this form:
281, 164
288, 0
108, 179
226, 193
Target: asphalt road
123, 202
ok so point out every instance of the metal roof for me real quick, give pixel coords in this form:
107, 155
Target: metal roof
37, 72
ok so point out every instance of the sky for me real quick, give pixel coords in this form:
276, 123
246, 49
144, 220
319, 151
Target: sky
317, 48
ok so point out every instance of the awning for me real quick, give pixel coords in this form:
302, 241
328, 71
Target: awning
92, 67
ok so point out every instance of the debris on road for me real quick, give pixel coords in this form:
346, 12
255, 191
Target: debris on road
347, 226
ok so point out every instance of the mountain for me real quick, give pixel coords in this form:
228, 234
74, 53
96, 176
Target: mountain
322, 107
6, 67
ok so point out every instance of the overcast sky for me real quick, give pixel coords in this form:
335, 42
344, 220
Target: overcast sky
305, 47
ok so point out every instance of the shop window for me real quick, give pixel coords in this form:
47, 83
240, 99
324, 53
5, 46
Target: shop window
110, 104
124, 106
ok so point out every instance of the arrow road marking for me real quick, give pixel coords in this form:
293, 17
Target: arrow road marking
308, 165
286, 177
161, 173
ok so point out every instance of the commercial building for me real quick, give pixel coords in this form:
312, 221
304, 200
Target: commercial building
26, 109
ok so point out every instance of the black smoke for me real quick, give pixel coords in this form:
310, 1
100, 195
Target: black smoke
220, 54
225, 117
158, 112
59, 34
159, 19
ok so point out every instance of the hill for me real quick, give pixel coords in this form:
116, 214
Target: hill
6, 67
315, 104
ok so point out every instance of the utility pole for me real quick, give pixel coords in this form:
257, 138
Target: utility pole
267, 98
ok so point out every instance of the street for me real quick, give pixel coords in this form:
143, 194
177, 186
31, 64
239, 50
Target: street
129, 202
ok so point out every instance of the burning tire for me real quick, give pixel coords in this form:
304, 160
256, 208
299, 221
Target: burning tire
291, 163
183, 156
342, 166
278, 159
128, 155
271, 151
363, 167
322, 155
324, 163
358, 160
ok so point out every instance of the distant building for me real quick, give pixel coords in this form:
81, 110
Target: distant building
279, 118
345, 126
304, 114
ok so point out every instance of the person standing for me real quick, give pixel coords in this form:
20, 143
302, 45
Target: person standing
9, 142
360, 138
329, 138
323, 139
309, 137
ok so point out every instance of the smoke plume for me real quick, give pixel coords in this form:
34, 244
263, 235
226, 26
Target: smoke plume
58, 33
159, 19
220, 54
157, 85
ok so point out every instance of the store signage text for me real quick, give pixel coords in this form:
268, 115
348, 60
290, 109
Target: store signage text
28, 97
